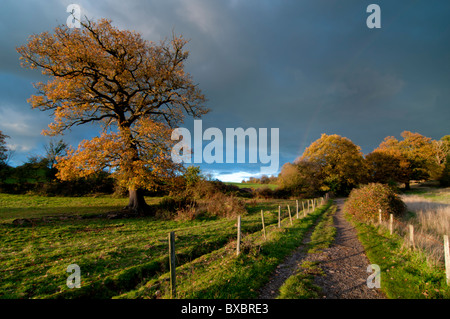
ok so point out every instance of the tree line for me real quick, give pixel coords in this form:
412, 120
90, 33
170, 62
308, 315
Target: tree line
38, 174
335, 164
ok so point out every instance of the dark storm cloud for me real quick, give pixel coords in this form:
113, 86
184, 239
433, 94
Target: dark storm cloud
306, 67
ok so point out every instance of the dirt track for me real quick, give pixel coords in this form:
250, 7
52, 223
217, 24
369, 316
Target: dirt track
344, 264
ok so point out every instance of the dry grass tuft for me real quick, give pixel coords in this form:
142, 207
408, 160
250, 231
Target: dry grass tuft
431, 222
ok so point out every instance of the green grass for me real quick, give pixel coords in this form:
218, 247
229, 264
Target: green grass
301, 284
33, 206
432, 193
405, 274
253, 185
324, 233
115, 256
223, 275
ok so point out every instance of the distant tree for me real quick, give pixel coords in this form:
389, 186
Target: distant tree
55, 149
3, 149
5, 155
341, 162
264, 179
301, 178
136, 90
289, 177
33, 170
192, 175
444, 179
383, 167
416, 154
442, 151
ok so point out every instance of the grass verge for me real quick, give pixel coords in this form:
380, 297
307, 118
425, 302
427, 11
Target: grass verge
405, 273
324, 233
301, 285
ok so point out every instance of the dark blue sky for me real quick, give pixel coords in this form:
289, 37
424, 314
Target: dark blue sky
305, 67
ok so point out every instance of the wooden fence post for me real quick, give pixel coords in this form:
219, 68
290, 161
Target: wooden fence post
391, 223
304, 211
296, 202
279, 216
290, 217
379, 217
238, 246
411, 235
447, 259
173, 291
264, 227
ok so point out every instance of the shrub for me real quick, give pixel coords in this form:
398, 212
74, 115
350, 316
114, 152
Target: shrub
364, 203
264, 192
186, 208
170, 206
222, 205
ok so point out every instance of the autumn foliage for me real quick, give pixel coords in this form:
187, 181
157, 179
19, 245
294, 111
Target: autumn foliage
366, 202
335, 164
340, 161
415, 154
135, 90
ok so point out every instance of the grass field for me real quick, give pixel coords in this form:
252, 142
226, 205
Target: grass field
128, 258
115, 256
433, 194
429, 212
223, 275
254, 186
33, 206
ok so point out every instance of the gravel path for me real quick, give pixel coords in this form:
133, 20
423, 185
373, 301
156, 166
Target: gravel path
344, 265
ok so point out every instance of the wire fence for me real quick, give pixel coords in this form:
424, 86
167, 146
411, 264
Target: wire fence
434, 246
302, 209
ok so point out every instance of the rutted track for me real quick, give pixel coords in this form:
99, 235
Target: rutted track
288, 268
344, 265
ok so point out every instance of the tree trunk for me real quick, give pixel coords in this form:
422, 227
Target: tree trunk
407, 186
137, 202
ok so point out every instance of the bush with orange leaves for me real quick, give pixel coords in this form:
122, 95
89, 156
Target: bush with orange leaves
366, 202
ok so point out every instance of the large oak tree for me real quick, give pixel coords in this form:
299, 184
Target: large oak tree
416, 155
341, 162
135, 89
